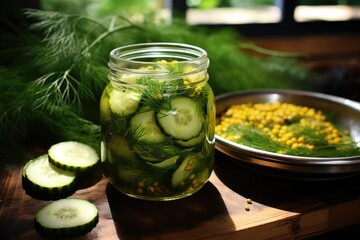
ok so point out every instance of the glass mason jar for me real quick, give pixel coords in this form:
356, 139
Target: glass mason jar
157, 121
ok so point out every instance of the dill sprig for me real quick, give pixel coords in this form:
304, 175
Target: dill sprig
310, 134
152, 92
256, 138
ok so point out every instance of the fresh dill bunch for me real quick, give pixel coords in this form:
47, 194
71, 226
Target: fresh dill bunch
65, 68
14, 110
20, 116
77, 128
72, 55
64, 60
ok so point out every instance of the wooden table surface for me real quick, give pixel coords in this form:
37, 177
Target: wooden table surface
280, 209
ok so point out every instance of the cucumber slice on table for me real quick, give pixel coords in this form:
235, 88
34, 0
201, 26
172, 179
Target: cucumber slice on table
183, 121
66, 217
73, 156
39, 176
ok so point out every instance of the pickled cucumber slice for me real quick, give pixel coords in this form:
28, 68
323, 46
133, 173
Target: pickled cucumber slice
183, 121
66, 217
191, 142
40, 177
124, 102
167, 163
185, 169
120, 147
105, 112
73, 156
144, 126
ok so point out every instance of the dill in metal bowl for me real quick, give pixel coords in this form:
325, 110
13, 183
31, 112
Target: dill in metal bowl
310, 135
285, 128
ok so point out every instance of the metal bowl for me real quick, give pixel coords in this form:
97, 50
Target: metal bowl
346, 116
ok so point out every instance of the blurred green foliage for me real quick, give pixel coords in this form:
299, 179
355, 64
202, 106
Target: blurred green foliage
101, 8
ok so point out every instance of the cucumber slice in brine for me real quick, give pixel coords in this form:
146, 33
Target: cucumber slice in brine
105, 112
183, 121
124, 101
186, 168
167, 163
41, 177
144, 126
73, 156
191, 142
66, 217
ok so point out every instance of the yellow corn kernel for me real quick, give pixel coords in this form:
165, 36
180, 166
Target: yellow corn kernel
301, 139
295, 146
310, 146
266, 129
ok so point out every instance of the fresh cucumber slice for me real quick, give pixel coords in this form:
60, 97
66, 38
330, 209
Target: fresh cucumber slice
124, 101
66, 217
144, 126
185, 169
40, 177
73, 156
183, 121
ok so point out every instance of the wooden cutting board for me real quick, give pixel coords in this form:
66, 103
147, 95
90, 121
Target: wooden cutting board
279, 209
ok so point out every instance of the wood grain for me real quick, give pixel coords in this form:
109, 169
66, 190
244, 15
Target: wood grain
280, 209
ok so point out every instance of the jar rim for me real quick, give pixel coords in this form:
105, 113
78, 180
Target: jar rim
142, 59
129, 53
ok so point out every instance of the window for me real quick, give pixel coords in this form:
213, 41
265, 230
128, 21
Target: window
232, 12
273, 17
341, 10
